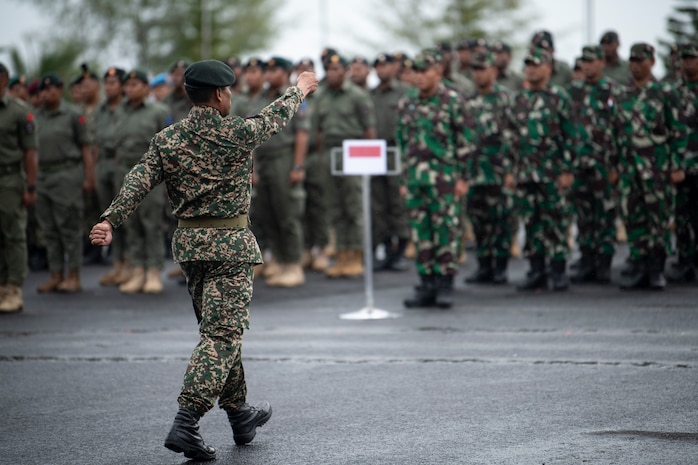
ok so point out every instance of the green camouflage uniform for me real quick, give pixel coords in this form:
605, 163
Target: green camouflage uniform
17, 135
206, 164
59, 205
436, 139
490, 204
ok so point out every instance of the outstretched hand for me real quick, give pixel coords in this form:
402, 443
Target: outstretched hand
101, 233
307, 82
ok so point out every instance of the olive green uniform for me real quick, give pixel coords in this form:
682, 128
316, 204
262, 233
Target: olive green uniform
619, 72
59, 205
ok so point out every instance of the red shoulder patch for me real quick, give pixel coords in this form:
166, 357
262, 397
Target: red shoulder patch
30, 117
82, 119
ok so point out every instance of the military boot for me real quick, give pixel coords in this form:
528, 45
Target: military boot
636, 276
586, 268
12, 299
306, 259
271, 267
71, 284
340, 264
109, 279
655, 273
424, 293
3, 290
246, 420
184, 437
397, 260
560, 281
124, 275
499, 276
135, 283
484, 273
682, 271
153, 282
355, 264
536, 277
320, 261
603, 268
52, 283
291, 275
444, 291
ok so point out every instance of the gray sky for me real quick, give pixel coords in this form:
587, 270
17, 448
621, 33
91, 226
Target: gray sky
313, 24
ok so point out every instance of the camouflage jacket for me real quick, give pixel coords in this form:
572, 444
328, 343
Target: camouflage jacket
493, 158
436, 138
206, 164
653, 130
595, 111
544, 135
688, 92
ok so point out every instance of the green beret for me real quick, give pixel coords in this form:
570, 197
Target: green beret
21, 79
48, 80
182, 63
279, 62
255, 62
641, 51
592, 52
137, 73
209, 73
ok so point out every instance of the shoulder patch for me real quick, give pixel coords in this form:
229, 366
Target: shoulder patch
82, 119
29, 126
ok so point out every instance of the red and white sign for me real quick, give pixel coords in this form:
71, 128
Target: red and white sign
364, 157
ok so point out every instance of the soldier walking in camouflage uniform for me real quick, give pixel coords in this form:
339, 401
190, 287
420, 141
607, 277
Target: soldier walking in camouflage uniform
206, 163
65, 170
18, 166
436, 139
654, 143
595, 169
687, 191
544, 143
490, 196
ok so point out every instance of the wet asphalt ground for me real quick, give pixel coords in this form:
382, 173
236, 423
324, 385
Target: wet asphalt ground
594, 375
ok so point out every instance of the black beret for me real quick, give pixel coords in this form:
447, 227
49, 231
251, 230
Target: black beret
48, 80
280, 62
383, 58
137, 73
255, 62
21, 79
209, 73
114, 71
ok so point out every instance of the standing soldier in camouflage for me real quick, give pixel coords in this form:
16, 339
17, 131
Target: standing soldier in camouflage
18, 166
654, 144
544, 143
140, 121
279, 167
343, 111
687, 191
206, 163
594, 103
106, 120
561, 74
388, 214
490, 197
436, 140
506, 76
65, 170
615, 67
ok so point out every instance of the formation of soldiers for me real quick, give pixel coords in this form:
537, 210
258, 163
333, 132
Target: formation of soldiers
602, 145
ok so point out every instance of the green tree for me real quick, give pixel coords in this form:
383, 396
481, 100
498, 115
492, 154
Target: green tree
682, 26
153, 33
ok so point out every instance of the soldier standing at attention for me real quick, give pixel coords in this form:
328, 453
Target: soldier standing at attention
654, 137
436, 139
544, 143
205, 161
389, 217
107, 117
594, 104
343, 111
490, 197
140, 121
615, 67
279, 167
18, 166
66, 169
359, 70
687, 191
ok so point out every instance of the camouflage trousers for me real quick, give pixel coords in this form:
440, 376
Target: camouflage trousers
388, 214
490, 209
594, 205
434, 221
545, 211
687, 218
647, 206
221, 294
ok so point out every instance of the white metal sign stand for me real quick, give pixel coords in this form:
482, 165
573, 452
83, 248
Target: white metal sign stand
366, 158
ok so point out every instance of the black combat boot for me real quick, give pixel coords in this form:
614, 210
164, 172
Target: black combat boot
444, 291
682, 271
500, 270
184, 437
424, 293
655, 272
560, 280
603, 268
635, 276
586, 269
536, 277
484, 273
397, 261
246, 419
